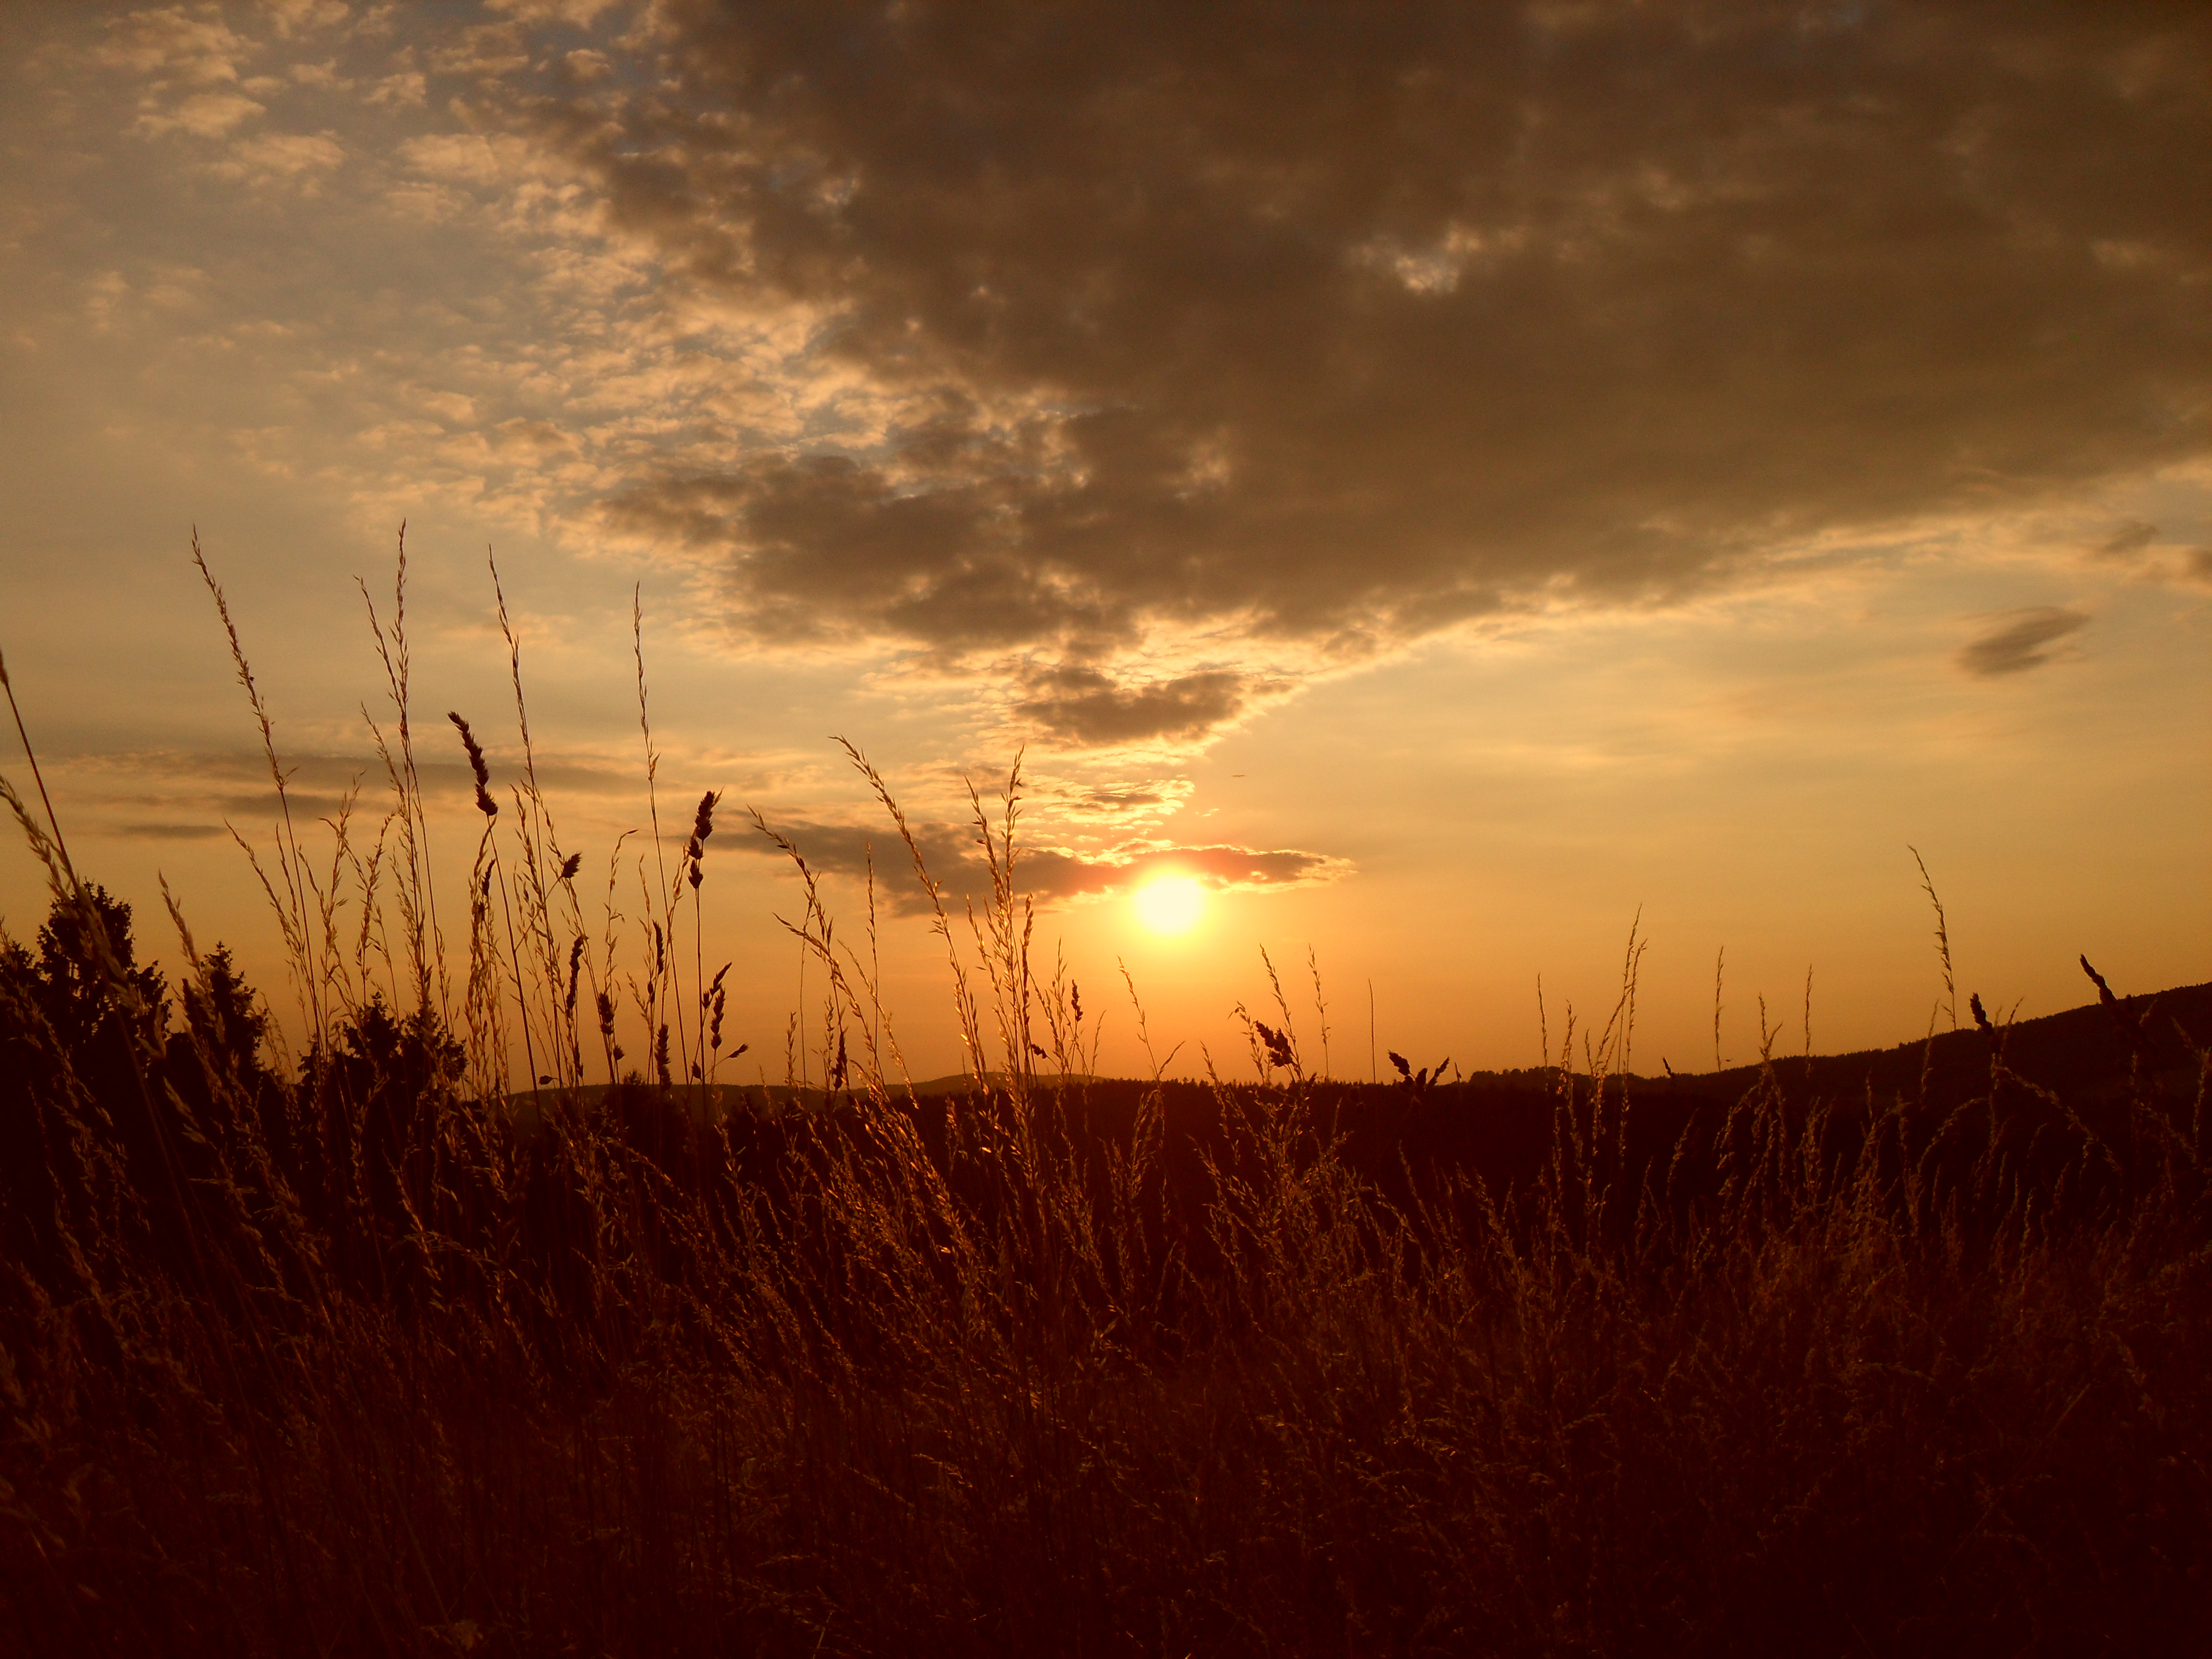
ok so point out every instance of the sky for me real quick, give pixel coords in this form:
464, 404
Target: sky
1448, 484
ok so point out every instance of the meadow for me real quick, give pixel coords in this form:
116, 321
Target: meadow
341, 1346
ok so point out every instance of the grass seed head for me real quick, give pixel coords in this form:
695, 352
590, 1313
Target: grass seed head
485, 804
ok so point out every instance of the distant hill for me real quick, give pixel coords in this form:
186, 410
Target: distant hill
2085, 1053
723, 1099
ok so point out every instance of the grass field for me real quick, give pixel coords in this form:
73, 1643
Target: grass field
335, 1349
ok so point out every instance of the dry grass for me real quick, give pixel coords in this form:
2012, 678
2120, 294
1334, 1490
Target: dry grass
328, 1355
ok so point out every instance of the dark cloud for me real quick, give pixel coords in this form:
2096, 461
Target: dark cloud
2020, 644
235, 783
1088, 709
1310, 328
189, 795
1108, 803
2128, 541
1060, 874
1048, 874
2136, 544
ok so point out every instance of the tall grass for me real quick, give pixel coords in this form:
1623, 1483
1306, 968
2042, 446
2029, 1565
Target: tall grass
341, 1352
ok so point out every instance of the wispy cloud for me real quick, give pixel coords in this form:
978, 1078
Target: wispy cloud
2128, 541
1048, 874
190, 795
2022, 643
2139, 546
158, 831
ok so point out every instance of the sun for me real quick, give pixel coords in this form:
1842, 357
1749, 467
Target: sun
1170, 904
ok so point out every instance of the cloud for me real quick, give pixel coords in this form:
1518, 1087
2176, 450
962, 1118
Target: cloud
155, 831
570, 11
190, 794
465, 158
173, 42
1161, 346
1224, 868
1119, 803
186, 63
404, 90
204, 115
2020, 644
1087, 709
484, 49
2128, 541
1049, 874
295, 158
1132, 364
294, 17
323, 77
2136, 543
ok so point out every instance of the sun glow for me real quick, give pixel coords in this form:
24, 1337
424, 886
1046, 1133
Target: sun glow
1170, 904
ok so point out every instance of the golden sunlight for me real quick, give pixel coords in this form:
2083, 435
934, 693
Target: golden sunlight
1170, 904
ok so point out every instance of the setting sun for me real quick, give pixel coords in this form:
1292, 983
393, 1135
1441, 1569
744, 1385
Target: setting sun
1170, 904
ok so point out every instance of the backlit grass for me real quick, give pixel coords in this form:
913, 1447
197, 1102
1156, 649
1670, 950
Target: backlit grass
332, 1348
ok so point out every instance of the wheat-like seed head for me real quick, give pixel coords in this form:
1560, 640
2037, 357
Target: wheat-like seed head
485, 804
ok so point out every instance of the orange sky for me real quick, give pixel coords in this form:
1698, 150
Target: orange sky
1448, 480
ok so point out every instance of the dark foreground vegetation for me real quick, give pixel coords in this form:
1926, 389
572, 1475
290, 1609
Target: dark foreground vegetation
1901, 1354
346, 1351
